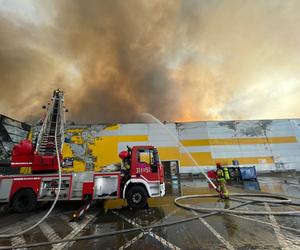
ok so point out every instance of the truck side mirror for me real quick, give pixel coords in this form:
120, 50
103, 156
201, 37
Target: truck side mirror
154, 168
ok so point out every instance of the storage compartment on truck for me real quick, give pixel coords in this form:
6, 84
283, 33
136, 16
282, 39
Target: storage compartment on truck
106, 186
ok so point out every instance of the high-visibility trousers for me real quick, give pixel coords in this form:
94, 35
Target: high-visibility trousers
223, 188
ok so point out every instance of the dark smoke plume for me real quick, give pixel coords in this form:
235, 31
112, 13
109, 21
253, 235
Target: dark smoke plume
124, 48
179, 60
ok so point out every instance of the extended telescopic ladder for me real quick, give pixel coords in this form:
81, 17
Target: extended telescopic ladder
53, 122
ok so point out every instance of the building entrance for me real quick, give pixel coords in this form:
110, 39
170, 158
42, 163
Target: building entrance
171, 169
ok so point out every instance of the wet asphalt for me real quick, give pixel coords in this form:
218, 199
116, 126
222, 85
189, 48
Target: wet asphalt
219, 231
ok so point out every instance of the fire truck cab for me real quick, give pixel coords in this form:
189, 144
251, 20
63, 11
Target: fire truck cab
142, 178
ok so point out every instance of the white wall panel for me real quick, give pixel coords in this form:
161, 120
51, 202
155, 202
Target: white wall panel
285, 155
163, 143
195, 136
195, 169
133, 129
218, 130
285, 146
192, 131
161, 137
196, 149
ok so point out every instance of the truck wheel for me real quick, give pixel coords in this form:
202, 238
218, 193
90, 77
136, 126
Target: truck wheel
24, 201
137, 197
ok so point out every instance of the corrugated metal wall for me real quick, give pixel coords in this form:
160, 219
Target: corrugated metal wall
267, 144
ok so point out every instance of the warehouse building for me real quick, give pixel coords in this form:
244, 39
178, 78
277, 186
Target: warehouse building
270, 145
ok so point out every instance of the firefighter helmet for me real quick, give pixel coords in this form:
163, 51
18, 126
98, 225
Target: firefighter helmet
123, 155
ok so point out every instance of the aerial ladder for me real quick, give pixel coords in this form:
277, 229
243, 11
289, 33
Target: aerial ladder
41, 156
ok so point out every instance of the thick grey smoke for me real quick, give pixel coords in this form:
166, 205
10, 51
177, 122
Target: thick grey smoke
179, 60
123, 46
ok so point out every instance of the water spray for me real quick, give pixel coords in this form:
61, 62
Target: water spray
182, 147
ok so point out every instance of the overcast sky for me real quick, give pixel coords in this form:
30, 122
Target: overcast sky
179, 60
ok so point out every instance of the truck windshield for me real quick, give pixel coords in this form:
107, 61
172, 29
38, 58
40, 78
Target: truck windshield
149, 156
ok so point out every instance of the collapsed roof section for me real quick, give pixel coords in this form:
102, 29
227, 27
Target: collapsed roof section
11, 132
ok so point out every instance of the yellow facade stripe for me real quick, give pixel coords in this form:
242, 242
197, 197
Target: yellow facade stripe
191, 143
205, 159
245, 160
168, 153
291, 139
237, 141
131, 138
201, 158
75, 130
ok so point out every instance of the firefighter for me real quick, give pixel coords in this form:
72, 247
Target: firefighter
125, 156
126, 160
224, 194
125, 167
237, 174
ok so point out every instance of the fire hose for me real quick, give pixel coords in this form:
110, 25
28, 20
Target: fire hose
56, 197
280, 200
276, 199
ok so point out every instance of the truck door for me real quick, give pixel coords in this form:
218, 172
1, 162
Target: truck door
147, 165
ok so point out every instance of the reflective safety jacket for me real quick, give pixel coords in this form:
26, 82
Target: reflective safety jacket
221, 175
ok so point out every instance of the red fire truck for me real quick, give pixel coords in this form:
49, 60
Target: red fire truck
139, 176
